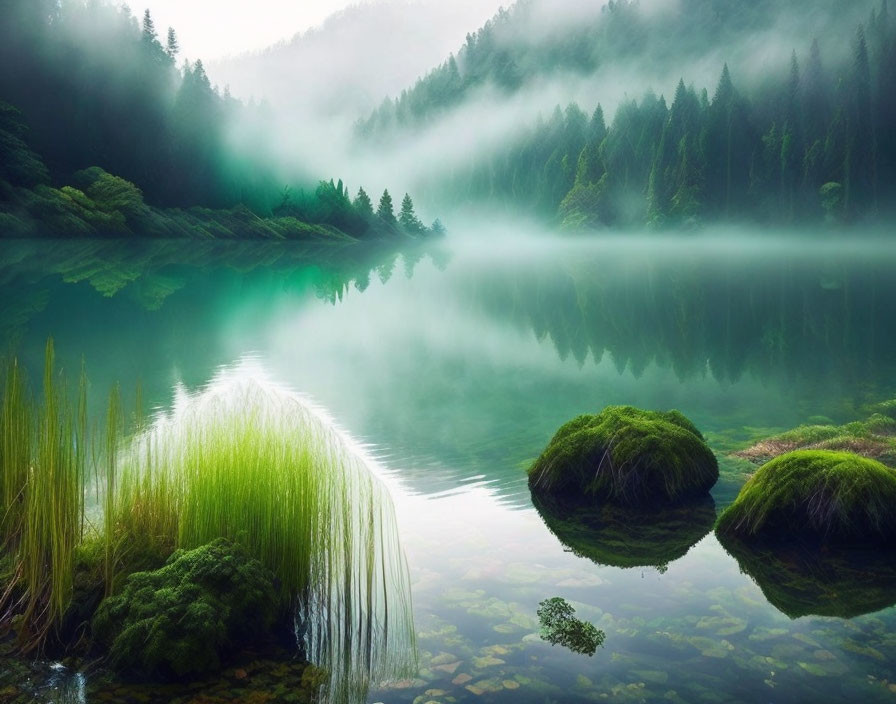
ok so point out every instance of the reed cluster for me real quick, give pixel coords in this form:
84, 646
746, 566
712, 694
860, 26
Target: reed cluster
247, 460
43, 463
242, 459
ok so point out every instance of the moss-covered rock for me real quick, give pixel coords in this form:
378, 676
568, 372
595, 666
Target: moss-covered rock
800, 581
626, 456
628, 537
874, 437
818, 494
185, 618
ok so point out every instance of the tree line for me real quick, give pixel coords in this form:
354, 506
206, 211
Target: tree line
814, 144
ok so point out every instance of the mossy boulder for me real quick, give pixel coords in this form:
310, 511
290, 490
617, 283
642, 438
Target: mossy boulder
819, 494
184, 619
628, 537
626, 456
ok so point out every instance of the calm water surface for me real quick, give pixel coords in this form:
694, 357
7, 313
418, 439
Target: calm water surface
455, 366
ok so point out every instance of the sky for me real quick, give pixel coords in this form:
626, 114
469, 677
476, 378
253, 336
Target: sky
210, 29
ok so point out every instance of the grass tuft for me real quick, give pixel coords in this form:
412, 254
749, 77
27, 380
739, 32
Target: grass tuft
43, 471
251, 462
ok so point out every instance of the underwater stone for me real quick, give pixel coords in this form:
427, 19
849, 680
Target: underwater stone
559, 626
626, 456
832, 497
184, 618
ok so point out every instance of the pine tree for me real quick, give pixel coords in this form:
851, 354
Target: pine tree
362, 204
149, 27
173, 47
408, 218
385, 212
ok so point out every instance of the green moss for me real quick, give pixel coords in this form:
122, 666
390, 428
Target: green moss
626, 456
833, 496
797, 581
885, 408
183, 619
874, 437
628, 537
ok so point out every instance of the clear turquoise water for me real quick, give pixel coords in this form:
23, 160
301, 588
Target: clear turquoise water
454, 366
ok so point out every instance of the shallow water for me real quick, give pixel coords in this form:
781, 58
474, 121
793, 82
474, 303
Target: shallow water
455, 365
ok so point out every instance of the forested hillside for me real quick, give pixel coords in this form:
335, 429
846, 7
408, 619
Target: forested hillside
100, 130
811, 139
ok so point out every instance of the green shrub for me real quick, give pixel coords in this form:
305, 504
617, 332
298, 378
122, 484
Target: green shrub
184, 618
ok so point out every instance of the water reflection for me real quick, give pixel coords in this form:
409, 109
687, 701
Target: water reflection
801, 580
627, 537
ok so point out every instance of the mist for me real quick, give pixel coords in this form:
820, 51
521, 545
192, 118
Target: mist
489, 119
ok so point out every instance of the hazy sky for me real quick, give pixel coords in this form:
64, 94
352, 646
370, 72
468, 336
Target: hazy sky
209, 29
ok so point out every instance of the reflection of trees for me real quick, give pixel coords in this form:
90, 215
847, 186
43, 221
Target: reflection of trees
803, 580
626, 537
728, 316
148, 272
168, 303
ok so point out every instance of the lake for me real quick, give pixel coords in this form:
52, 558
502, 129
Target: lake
453, 365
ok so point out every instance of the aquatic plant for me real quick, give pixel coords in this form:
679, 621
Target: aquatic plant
246, 460
42, 461
626, 456
831, 496
184, 618
626, 537
798, 580
559, 626
874, 437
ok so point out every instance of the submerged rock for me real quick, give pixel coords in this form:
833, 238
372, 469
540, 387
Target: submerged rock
559, 626
626, 456
185, 618
819, 494
628, 537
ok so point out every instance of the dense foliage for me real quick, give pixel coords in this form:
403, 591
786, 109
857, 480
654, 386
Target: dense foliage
812, 142
182, 619
95, 117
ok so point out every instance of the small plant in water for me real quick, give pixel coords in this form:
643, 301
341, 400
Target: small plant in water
559, 626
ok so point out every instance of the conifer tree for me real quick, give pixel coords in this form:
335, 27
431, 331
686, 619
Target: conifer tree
386, 212
173, 46
362, 204
149, 27
407, 218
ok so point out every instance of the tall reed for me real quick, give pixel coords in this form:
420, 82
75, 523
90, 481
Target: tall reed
15, 453
43, 465
242, 459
